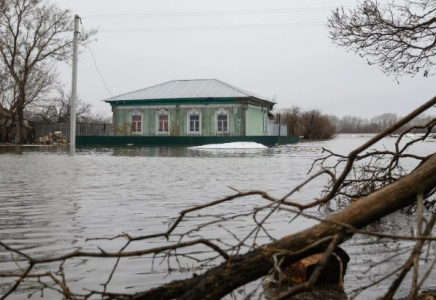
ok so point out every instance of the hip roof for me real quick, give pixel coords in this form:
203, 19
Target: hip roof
187, 89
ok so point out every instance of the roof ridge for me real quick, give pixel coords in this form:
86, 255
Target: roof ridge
248, 93
234, 87
138, 90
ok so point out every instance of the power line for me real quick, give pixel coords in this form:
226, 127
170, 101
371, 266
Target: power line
95, 63
210, 13
273, 25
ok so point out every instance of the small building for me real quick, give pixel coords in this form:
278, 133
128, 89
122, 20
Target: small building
202, 107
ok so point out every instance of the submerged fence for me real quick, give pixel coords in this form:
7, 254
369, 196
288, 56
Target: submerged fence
180, 141
277, 129
82, 129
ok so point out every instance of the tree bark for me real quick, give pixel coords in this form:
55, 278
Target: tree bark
19, 115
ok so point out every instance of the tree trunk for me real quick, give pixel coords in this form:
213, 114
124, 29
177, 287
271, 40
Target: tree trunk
19, 128
19, 116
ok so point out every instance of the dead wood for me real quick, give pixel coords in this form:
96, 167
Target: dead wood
236, 270
225, 278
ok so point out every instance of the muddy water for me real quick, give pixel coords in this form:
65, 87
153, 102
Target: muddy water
51, 202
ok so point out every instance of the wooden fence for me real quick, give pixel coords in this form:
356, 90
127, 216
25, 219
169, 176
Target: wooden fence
82, 129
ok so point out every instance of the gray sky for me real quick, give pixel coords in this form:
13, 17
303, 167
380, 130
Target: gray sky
294, 61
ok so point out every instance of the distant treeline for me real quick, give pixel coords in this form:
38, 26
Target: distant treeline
352, 124
312, 124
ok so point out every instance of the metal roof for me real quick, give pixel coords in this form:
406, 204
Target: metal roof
187, 89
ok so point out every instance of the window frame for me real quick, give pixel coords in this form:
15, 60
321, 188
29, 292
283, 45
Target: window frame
222, 112
193, 112
160, 113
136, 113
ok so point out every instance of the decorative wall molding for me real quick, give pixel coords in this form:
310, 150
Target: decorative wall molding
194, 111
255, 107
187, 106
135, 112
162, 112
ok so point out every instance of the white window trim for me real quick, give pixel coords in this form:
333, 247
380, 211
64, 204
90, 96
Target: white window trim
222, 111
163, 112
193, 112
135, 113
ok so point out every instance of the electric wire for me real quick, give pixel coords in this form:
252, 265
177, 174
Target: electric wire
210, 13
198, 28
162, 29
95, 62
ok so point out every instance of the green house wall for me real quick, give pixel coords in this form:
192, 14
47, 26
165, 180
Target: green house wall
255, 121
243, 119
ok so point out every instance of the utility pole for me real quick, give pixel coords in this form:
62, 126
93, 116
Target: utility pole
74, 85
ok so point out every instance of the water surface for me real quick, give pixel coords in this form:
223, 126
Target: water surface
51, 202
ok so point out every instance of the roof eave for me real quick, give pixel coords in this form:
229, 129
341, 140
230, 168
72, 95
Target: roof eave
256, 100
177, 99
261, 101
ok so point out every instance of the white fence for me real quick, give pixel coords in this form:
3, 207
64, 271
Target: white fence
273, 130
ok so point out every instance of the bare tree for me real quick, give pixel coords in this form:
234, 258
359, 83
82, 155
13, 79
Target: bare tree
399, 36
381, 186
311, 123
384, 121
335, 121
316, 125
292, 118
243, 260
57, 109
7, 93
34, 35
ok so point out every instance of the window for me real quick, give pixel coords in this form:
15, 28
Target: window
163, 124
136, 124
222, 122
194, 123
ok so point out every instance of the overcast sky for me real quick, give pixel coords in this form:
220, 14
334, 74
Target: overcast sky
275, 48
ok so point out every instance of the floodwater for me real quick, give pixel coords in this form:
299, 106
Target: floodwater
51, 202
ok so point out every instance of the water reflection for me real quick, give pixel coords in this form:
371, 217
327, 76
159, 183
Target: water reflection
11, 150
36, 149
134, 151
307, 149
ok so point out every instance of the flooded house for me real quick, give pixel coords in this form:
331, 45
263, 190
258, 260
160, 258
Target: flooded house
201, 107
